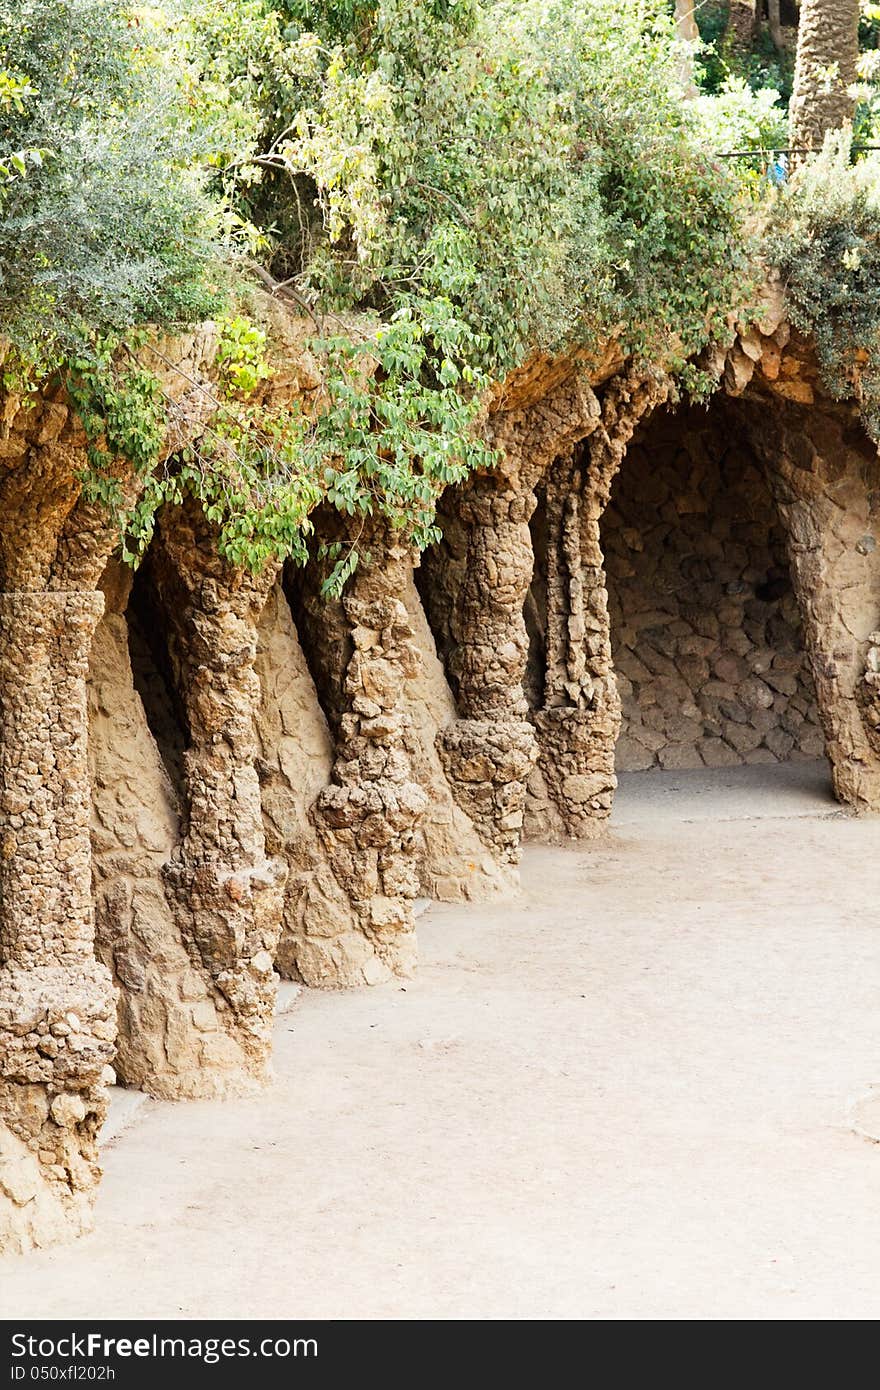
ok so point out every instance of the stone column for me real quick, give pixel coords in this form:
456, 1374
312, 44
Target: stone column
825, 477
578, 726
488, 752
57, 1003
227, 892
580, 721
368, 819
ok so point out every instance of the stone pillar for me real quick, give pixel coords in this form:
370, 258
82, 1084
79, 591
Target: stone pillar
173, 1041
580, 721
488, 752
825, 477
57, 1003
578, 725
368, 818
227, 892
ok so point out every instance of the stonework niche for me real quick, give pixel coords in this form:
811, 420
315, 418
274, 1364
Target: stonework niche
705, 626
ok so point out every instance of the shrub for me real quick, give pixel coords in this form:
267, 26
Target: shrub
825, 237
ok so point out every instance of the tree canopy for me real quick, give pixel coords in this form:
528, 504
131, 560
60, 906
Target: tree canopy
445, 185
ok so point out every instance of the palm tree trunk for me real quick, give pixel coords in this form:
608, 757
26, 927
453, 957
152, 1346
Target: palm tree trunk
825, 69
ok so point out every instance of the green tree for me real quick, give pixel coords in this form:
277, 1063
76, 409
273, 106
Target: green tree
105, 219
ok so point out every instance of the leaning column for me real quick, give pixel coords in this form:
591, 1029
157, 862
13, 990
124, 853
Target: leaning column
57, 1003
825, 479
368, 820
578, 725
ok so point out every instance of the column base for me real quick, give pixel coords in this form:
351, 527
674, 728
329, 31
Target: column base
487, 764
57, 1035
230, 919
369, 834
576, 770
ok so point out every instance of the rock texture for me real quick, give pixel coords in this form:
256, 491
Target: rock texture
57, 1002
705, 628
488, 751
170, 1018
454, 862
226, 891
368, 818
295, 764
825, 477
242, 815
571, 791
57, 1024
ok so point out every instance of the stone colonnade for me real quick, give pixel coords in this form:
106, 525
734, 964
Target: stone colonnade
208, 881
57, 1003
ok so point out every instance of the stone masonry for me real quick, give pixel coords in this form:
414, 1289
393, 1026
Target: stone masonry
57, 1004
277, 776
571, 791
705, 628
368, 818
227, 892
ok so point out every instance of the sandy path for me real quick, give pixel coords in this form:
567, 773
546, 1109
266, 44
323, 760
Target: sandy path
624, 1096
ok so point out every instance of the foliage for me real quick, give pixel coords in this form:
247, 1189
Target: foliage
532, 165
241, 355
724, 57
826, 239
107, 224
867, 122
393, 448
244, 465
742, 118
444, 185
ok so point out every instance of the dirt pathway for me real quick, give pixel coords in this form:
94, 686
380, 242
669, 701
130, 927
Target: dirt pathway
624, 1096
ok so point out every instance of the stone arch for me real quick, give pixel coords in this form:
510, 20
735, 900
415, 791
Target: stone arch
811, 456
705, 627
180, 1035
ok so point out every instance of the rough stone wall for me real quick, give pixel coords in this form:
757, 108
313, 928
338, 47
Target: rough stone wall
825, 476
57, 1022
823, 472
368, 819
334, 940
474, 586
57, 1002
489, 750
195, 966
705, 627
153, 679
454, 862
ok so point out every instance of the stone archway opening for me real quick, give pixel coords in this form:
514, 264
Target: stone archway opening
706, 632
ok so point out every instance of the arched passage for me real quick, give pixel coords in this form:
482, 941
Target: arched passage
725, 561
706, 633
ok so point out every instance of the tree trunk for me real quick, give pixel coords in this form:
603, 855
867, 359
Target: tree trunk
825, 69
774, 24
688, 33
